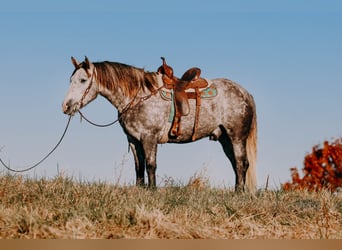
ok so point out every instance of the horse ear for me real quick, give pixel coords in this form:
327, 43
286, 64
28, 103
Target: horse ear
74, 62
87, 63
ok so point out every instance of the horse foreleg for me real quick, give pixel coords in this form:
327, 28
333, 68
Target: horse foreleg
139, 159
150, 149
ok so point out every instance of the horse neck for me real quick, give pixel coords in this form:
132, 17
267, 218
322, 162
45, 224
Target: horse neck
117, 99
121, 84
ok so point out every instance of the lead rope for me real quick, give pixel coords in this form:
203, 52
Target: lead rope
129, 106
126, 108
96, 124
38, 163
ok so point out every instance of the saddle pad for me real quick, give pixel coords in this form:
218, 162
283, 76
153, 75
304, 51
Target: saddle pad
206, 93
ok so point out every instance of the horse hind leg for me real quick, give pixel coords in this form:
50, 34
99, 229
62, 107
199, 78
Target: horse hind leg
242, 164
227, 146
236, 153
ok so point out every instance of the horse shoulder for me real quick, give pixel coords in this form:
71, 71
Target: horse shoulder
149, 118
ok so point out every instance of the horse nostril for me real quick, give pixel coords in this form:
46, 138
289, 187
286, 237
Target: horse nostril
66, 107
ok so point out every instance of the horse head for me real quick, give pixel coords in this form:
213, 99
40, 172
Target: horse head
83, 87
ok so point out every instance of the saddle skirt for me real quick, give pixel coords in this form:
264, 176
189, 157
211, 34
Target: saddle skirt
205, 93
198, 89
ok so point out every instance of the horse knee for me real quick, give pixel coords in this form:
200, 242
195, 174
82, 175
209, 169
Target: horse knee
151, 166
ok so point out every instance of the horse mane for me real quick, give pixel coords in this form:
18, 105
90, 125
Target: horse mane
128, 79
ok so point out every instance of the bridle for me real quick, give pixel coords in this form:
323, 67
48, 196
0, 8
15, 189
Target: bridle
135, 101
87, 89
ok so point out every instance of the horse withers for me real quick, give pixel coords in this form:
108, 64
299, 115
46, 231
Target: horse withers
229, 118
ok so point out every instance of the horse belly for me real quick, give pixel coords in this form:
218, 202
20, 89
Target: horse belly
208, 121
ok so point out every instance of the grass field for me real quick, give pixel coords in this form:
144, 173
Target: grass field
64, 208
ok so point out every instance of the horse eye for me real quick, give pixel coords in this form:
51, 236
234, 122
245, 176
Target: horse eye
83, 80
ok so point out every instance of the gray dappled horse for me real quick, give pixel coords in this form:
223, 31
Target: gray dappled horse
229, 118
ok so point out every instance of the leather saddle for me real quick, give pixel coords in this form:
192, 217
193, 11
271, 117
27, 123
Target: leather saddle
189, 80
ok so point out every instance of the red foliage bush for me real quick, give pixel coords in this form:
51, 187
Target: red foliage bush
322, 169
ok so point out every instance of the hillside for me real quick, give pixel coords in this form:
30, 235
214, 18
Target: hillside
65, 208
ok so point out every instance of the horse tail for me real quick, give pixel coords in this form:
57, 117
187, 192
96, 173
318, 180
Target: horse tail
251, 180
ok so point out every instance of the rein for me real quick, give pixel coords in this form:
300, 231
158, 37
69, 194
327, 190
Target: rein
128, 107
96, 124
39, 162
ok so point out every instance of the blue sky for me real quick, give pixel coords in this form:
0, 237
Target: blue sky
286, 53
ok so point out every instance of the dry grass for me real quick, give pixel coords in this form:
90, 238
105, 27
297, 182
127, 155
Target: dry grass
64, 208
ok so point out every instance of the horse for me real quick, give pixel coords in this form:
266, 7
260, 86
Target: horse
229, 118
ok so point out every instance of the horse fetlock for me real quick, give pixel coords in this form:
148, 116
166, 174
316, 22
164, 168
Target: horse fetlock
152, 181
239, 188
140, 181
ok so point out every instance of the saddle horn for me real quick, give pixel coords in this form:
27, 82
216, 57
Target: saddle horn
165, 69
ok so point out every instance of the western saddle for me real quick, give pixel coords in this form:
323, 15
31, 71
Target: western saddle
189, 80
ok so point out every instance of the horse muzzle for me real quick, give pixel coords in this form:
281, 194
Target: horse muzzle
70, 108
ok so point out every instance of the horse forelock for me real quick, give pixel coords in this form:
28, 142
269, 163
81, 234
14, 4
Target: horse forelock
129, 79
82, 65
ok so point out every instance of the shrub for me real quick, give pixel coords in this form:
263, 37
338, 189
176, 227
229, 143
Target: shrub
322, 169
